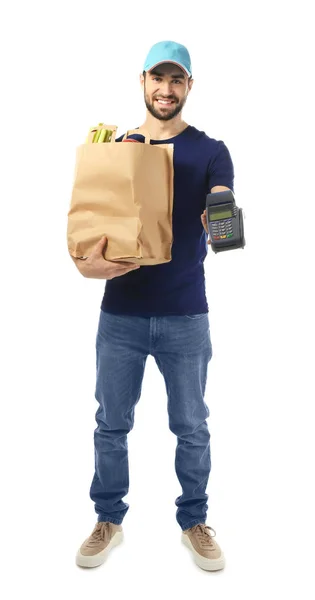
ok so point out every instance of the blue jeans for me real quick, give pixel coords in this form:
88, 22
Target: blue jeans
181, 347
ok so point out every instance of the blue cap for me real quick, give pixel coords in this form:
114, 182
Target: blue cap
170, 52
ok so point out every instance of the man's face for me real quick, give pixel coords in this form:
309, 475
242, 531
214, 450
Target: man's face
166, 82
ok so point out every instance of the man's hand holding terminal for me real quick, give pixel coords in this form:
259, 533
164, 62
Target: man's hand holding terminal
97, 267
205, 225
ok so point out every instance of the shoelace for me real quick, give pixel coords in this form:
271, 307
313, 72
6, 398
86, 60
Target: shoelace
203, 536
101, 532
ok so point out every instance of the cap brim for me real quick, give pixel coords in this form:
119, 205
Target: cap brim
173, 63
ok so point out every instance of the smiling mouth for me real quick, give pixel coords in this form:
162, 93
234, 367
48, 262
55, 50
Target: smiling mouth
165, 102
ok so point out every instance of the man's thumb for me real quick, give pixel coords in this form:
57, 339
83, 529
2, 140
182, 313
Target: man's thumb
101, 244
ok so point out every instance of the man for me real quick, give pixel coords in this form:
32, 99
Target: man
159, 310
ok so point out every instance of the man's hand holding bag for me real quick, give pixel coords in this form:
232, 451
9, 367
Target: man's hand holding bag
97, 267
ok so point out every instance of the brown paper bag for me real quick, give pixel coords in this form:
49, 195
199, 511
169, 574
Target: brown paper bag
123, 191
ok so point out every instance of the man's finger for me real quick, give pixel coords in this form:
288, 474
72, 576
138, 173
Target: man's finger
123, 264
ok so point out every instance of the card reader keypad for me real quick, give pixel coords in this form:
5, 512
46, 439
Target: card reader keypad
222, 229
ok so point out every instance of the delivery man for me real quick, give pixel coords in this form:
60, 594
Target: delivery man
159, 310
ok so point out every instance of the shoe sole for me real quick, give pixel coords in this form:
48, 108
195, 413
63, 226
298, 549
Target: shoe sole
98, 559
208, 564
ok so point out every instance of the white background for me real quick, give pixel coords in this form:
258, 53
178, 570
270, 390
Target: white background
65, 67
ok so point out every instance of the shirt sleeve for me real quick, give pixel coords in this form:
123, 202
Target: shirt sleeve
221, 169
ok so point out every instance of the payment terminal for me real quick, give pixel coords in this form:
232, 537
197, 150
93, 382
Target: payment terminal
225, 221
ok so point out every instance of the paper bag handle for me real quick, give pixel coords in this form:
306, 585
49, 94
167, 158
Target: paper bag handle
143, 132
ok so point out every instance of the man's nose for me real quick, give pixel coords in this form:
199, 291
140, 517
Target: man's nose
166, 88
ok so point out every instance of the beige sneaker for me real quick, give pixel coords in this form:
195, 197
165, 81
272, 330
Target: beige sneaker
95, 548
206, 552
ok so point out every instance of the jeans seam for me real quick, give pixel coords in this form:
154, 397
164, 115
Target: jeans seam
109, 519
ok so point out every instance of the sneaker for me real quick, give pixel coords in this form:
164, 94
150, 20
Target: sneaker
206, 552
95, 548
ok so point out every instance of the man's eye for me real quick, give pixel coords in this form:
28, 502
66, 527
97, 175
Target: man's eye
175, 80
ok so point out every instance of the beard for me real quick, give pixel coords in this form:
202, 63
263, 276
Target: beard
165, 114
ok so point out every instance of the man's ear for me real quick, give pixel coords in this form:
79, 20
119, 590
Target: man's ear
141, 79
190, 84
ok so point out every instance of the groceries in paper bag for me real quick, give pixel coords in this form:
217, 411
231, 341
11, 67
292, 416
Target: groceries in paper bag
125, 192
